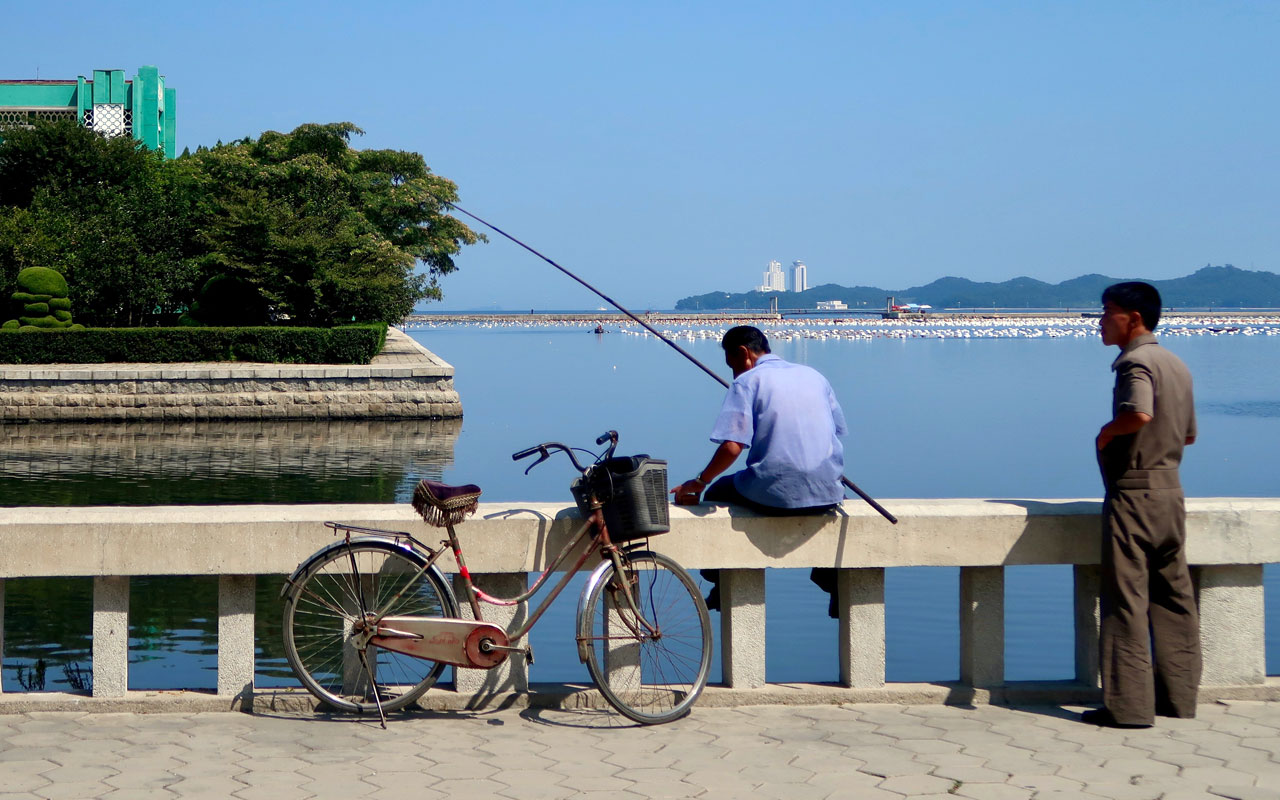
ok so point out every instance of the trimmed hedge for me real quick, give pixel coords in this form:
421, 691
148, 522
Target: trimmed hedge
348, 344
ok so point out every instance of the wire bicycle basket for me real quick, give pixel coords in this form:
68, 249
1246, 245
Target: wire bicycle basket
633, 493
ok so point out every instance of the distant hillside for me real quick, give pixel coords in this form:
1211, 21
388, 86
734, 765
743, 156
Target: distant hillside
1217, 287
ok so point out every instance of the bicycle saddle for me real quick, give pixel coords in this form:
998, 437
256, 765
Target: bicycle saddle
442, 505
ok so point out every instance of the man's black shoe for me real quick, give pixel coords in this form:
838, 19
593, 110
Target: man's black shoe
712, 576
1103, 718
713, 599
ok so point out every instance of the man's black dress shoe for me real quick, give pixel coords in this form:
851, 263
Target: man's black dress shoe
1102, 717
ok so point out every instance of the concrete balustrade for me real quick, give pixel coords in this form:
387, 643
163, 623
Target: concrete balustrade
1228, 542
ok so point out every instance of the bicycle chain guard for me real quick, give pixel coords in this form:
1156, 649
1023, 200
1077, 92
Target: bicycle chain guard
451, 641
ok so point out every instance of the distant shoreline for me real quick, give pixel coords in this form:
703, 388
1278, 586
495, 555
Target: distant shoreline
748, 317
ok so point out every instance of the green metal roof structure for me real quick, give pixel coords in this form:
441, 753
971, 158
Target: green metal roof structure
142, 107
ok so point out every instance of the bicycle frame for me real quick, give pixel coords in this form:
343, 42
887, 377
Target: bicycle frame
470, 636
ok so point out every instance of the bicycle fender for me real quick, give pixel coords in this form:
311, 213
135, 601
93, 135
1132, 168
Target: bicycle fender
324, 552
597, 575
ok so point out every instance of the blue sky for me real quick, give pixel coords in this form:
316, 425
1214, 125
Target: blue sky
663, 149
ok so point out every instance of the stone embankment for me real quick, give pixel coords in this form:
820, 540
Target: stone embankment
404, 381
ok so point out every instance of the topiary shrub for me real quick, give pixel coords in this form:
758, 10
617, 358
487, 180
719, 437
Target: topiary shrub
42, 302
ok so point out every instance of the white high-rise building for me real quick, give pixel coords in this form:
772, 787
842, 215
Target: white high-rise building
799, 276
775, 280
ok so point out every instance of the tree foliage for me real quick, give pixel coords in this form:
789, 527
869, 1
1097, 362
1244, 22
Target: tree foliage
325, 233
116, 220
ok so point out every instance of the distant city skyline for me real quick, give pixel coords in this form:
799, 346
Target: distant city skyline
775, 280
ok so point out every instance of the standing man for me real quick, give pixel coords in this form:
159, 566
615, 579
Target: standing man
1150, 648
788, 417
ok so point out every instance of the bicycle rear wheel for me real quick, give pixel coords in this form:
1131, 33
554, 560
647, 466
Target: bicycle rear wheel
330, 598
651, 672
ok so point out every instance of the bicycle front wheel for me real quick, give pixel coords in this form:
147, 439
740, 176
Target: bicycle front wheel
329, 602
650, 667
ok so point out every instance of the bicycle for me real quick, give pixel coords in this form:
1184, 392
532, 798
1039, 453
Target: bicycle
370, 622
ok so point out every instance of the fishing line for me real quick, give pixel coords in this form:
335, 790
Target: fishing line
848, 483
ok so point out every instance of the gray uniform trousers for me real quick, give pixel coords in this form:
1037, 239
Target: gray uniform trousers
1147, 597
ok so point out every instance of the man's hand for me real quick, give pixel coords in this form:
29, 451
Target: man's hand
687, 493
1126, 423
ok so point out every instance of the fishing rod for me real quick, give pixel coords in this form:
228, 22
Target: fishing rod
848, 483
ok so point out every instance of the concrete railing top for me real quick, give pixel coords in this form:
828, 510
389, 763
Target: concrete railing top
519, 537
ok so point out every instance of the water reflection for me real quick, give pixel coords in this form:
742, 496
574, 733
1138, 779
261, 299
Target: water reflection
216, 462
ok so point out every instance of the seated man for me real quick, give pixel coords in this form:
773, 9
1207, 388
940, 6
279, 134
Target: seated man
787, 415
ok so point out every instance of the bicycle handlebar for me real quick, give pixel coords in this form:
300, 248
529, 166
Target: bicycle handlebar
545, 449
526, 453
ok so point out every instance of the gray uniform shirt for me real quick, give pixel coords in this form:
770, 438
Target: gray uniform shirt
1150, 380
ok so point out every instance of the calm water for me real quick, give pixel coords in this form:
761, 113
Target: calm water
955, 417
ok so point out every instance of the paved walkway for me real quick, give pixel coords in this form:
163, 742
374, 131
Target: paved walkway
793, 752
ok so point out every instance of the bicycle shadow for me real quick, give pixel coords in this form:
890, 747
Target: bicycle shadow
554, 532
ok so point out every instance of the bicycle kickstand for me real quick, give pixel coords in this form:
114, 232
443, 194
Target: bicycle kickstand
377, 699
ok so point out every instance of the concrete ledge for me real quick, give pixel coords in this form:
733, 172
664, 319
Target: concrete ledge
258, 540
581, 696
405, 381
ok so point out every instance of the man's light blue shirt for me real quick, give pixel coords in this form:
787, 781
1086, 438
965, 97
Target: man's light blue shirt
788, 416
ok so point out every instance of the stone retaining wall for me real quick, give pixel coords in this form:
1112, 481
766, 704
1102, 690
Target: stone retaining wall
404, 381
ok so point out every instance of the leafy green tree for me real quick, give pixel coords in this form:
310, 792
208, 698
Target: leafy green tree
118, 221
324, 233
327, 233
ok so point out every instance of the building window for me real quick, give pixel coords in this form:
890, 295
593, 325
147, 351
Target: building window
109, 119
24, 117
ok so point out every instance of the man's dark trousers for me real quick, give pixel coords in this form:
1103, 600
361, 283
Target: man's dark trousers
1147, 596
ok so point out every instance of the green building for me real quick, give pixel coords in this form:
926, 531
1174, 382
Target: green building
142, 107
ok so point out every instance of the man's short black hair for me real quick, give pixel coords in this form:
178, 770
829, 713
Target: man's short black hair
745, 336
1136, 296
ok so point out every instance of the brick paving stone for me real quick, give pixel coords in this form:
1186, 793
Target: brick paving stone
207, 769
901, 732
23, 780
1140, 766
76, 773
928, 746
273, 792
1045, 783
970, 774
582, 783
917, 784
1023, 765
852, 737
523, 792
993, 791
136, 778
395, 763
416, 791
771, 773
1267, 744
1242, 726
790, 791
73, 790
1187, 759
976, 738
1217, 775
796, 753
1244, 793
1123, 791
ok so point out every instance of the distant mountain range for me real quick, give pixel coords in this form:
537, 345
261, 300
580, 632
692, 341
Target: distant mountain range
1208, 287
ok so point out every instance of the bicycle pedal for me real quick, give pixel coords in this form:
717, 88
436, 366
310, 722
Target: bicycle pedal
528, 654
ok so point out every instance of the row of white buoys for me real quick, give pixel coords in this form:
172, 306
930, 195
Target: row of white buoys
864, 329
